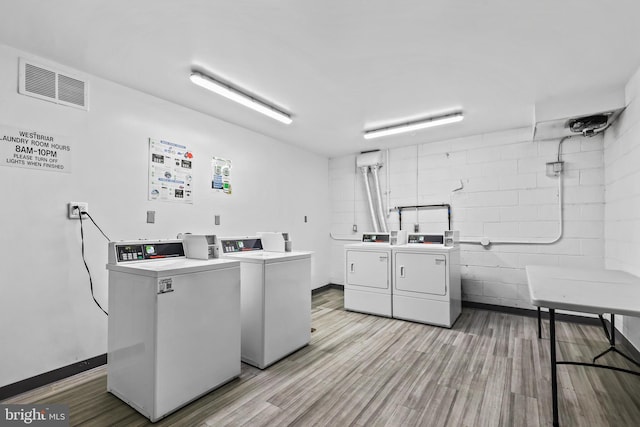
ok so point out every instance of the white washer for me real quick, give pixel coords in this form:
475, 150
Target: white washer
426, 282
174, 325
367, 277
275, 300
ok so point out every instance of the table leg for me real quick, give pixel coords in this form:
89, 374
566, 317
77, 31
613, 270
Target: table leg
613, 330
554, 376
539, 324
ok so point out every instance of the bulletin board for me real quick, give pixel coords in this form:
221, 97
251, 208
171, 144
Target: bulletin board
170, 172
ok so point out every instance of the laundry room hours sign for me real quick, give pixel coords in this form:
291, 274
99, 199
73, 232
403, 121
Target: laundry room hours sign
30, 149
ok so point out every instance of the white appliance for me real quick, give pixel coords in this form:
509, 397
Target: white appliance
275, 300
367, 277
174, 325
426, 281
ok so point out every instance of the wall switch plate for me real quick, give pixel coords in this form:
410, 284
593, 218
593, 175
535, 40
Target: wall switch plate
151, 217
74, 209
355, 228
416, 228
216, 219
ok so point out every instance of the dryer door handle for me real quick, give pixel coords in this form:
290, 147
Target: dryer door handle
353, 267
402, 271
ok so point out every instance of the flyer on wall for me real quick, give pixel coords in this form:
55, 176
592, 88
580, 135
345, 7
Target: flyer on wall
221, 181
170, 172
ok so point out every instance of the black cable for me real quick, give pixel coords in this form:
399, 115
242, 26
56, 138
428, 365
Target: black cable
94, 223
85, 262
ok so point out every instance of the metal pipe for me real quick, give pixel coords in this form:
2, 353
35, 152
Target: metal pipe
372, 212
416, 207
381, 216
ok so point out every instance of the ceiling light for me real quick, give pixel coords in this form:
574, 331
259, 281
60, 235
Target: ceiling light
239, 97
416, 125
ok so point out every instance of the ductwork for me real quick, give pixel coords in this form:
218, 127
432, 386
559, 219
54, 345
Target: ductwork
372, 162
367, 187
588, 114
376, 183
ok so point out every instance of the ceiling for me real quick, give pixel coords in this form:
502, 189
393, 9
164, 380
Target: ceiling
341, 66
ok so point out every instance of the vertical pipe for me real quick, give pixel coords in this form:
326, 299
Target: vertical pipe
365, 178
376, 182
388, 184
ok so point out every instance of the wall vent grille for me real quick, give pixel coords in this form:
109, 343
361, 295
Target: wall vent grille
52, 85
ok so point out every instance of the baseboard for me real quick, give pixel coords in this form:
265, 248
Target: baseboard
51, 376
532, 313
326, 288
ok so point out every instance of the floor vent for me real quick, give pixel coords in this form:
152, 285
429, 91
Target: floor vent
51, 85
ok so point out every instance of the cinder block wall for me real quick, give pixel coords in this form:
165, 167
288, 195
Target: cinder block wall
622, 195
505, 194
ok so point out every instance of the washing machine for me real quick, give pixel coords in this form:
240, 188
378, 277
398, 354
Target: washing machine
426, 281
275, 299
174, 325
367, 277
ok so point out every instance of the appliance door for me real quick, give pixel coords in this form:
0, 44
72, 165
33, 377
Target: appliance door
423, 273
198, 336
368, 269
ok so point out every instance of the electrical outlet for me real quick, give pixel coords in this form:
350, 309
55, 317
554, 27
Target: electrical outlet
74, 209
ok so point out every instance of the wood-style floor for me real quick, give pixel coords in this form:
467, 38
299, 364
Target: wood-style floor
488, 370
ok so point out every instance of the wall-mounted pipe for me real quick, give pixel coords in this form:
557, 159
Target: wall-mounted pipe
416, 207
372, 212
485, 241
376, 183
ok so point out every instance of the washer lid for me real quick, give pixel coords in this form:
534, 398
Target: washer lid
268, 257
173, 267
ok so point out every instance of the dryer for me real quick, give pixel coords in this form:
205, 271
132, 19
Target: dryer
367, 274
174, 325
426, 281
275, 299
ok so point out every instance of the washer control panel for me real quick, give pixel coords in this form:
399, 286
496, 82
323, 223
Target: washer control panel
144, 250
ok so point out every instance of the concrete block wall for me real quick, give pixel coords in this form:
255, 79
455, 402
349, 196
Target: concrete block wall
622, 195
497, 186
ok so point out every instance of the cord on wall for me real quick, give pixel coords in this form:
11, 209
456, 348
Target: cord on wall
84, 259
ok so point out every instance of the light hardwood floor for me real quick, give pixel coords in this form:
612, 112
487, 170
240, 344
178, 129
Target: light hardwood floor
488, 370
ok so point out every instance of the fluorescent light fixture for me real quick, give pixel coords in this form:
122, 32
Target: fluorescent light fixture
239, 97
416, 125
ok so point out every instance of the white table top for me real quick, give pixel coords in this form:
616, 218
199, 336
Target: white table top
587, 290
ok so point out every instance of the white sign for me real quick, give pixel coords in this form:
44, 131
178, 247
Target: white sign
221, 180
34, 150
170, 172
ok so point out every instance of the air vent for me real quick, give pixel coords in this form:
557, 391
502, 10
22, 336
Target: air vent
49, 84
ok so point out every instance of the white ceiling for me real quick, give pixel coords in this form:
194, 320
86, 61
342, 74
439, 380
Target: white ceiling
340, 66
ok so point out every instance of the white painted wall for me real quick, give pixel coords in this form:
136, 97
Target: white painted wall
506, 195
622, 184
48, 317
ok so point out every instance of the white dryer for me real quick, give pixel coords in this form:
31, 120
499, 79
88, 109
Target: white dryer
426, 281
367, 275
275, 299
174, 325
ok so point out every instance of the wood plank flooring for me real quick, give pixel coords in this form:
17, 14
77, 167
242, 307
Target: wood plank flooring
488, 370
